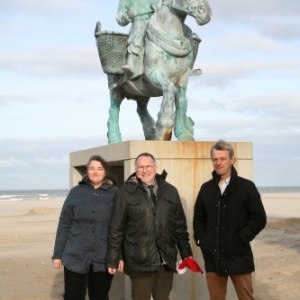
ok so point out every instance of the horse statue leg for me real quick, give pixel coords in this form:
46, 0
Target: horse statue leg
113, 133
166, 116
184, 130
146, 119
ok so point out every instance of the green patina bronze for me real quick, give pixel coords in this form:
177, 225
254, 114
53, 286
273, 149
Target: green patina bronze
154, 60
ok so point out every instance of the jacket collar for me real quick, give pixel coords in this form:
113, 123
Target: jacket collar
86, 182
216, 177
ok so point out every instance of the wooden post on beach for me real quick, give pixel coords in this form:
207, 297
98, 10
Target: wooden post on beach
188, 165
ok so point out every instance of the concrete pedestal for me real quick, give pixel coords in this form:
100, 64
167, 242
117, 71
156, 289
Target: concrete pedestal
188, 165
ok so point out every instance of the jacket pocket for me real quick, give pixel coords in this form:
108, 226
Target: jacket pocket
101, 248
235, 245
136, 209
172, 249
75, 231
171, 209
74, 243
137, 250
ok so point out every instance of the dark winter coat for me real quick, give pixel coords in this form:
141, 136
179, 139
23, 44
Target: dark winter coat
224, 225
81, 238
149, 234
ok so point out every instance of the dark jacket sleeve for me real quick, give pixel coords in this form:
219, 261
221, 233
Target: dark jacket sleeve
116, 230
181, 232
257, 218
199, 219
63, 229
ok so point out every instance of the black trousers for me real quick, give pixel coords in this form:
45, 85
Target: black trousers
97, 283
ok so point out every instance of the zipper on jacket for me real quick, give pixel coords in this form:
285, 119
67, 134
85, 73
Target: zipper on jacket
160, 256
218, 226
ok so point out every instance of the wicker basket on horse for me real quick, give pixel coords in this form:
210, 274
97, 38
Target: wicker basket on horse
112, 49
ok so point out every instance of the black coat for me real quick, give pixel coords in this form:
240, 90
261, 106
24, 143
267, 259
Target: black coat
81, 238
224, 225
149, 234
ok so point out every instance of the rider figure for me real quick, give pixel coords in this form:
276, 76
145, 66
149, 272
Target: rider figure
138, 12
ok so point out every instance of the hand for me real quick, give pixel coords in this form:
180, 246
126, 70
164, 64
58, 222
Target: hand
111, 271
121, 266
131, 13
187, 257
56, 263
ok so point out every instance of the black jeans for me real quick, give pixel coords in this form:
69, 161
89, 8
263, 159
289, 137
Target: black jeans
98, 285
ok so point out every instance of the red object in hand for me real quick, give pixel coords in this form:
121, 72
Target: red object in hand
191, 264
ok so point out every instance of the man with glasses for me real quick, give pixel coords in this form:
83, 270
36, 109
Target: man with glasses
149, 230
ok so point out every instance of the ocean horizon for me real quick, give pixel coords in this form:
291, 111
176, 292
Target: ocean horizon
58, 194
23, 195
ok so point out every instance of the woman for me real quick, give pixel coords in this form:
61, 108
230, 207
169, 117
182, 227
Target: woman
81, 238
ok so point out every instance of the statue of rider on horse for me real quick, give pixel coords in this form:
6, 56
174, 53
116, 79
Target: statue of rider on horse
154, 60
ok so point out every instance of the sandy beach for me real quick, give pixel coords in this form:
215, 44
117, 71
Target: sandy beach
28, 232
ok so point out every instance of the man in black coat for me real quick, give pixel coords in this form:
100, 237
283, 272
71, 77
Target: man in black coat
228, 215
148, 223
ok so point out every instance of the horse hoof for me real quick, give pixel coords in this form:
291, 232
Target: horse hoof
150, 138
166, 136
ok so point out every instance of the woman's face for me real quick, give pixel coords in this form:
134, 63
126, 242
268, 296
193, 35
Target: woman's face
96, 173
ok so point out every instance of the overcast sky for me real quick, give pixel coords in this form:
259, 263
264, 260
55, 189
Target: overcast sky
54, 97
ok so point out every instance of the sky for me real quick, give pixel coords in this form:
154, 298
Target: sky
54, 97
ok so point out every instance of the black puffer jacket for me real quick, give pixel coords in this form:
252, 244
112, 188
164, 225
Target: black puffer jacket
148, 233
225, 224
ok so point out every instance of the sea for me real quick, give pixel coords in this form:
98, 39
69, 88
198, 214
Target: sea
23, 195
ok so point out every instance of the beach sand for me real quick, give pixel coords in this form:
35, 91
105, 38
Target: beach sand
27, 238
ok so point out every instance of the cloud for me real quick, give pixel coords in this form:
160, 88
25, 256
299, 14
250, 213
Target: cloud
243, 10
252, 43
56, 61
51, 160
9, 99
223, 73
33, 146
262, 105
282, 30
11, 162
40, 7
272, 18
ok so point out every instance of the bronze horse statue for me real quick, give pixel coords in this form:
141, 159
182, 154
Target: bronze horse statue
168, 60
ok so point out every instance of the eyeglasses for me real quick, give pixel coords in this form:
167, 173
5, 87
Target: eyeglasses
148, 168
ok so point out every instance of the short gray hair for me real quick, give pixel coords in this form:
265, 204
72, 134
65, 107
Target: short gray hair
222, 145
145, 154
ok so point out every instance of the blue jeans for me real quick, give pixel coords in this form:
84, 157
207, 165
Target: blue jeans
97, 283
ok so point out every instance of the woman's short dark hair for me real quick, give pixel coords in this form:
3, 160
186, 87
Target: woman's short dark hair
110, 179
